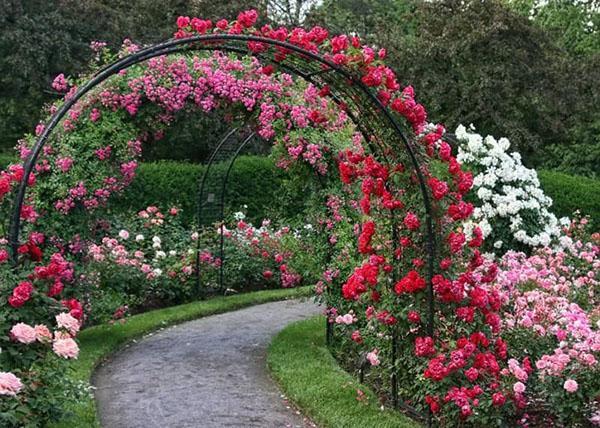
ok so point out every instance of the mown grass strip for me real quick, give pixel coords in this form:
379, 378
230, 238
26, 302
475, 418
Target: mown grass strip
312, 379
99, 342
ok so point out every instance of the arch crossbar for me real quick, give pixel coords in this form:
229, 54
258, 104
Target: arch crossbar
373, 119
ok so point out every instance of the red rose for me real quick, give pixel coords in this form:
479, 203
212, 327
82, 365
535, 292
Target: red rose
183, 21
439, 188
414, 317
498, 399
411, 221
267, 274
339, 43
411, 283
424, 346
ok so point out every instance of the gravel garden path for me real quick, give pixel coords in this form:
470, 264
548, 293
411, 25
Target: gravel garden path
210, 372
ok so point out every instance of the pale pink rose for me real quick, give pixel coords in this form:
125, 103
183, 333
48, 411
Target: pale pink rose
66, 348
42, 333
570, 385
123, 234
372, 357
23, 333
519, 387
58, 335
68, 322
9, 384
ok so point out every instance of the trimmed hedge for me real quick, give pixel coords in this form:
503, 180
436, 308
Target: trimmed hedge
254, 181
570, 193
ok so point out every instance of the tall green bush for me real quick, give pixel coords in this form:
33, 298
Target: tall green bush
570, 193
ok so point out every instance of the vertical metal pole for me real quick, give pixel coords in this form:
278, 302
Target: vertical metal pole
394, 377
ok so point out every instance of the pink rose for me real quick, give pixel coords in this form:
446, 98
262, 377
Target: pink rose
123, 234
68, 322
372, 357
570, 385
23, 333
42, 333
9, 384
519, 387
66, 348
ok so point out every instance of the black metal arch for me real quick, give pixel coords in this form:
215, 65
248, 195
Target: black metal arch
370, 115
203, 197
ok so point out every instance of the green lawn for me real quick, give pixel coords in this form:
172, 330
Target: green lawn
312, 379
100, 341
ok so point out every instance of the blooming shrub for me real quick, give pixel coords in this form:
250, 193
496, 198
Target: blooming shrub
553, 315
511, 208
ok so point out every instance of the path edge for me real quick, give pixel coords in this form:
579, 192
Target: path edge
100, 342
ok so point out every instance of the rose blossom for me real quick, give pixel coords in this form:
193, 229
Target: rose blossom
372, 357
570, 385
123, 234
23, 333
68, 322
42, 333
66, 348
9, 384
519, 387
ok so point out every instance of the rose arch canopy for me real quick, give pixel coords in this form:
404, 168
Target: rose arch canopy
381, 130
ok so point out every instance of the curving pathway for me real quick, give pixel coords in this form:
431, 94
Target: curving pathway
210, 372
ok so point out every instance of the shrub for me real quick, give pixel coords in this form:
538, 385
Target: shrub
511, 208
254, 181
572, 193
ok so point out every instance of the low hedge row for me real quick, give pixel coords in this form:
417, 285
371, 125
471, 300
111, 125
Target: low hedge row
254, 181
570, 193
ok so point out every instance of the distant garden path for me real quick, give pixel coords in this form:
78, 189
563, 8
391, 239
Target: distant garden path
210, 372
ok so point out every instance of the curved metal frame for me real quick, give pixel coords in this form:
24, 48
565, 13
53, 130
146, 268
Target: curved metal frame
199, 207
374, 118
223, 194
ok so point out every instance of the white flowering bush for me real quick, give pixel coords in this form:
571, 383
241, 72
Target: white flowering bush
511, 209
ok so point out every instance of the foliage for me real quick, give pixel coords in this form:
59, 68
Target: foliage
481, 62
254, 181
576, 24
572, 193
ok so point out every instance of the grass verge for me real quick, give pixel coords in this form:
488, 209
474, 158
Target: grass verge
99, 342
312, 379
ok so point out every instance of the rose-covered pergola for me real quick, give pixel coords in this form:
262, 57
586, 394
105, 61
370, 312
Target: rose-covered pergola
415, 256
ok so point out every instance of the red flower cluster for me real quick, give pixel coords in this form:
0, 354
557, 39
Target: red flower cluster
55, 273
363, 276
364, 240
411, 283
13, 176
21, 294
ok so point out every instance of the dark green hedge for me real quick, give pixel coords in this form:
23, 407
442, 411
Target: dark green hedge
570, 192
254, 181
